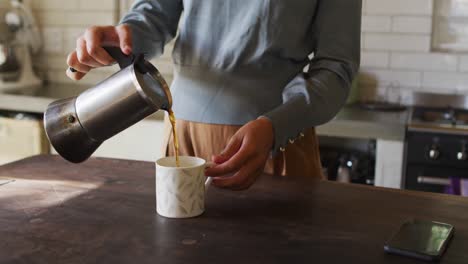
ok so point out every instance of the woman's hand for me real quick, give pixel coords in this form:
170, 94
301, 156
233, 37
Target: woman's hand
89, 53
244, 157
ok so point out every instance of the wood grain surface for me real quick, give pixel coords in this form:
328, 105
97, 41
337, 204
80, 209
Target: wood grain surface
103, 211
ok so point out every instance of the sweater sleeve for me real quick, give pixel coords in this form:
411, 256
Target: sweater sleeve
315, 97
153, 24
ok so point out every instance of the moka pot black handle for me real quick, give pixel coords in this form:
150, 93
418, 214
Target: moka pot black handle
122, 59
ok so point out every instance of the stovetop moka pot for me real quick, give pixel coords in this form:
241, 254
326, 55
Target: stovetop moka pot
77, 126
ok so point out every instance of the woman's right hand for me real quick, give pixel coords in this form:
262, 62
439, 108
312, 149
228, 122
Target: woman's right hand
89, 53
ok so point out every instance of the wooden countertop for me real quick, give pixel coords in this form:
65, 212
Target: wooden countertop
103, 211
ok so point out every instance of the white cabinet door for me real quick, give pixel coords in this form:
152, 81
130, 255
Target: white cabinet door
20, 139
389, 163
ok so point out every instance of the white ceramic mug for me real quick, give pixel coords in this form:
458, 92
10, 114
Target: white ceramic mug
180, 191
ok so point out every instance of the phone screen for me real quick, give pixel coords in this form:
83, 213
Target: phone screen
422, 237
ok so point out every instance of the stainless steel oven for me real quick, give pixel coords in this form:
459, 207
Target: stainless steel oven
436, 150
436, 162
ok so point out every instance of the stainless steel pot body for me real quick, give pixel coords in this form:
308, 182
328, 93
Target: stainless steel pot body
77, 126
114, 104
65, 132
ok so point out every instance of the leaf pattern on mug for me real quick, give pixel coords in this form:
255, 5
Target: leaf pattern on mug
182, 210
183, 185
186, 173
193, 205
192, 193
179, 198
180, 193
186, 186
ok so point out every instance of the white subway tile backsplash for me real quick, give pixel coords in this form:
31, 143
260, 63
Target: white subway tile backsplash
70, 36
55, 4
409, 45
92, 78
83, 18
58, 63
376, 23
412, 24
100, 5
449, 82
397, 42
58, 76
52, 40
51, 18
79, 18
62, 22
405, 96
375, 59
411, 63
391, 78
51, 62
399, 7
424, 61
463, 67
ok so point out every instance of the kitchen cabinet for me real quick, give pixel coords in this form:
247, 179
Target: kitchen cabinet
21, 138
377, 162
388, 131
389, 163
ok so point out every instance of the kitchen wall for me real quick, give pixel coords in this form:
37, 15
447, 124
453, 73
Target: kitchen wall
62, 22
397, 57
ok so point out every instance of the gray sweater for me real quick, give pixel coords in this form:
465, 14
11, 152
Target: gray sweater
237, 60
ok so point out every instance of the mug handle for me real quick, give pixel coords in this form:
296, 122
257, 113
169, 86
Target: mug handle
210, 179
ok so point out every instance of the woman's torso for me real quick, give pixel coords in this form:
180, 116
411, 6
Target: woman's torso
233, 57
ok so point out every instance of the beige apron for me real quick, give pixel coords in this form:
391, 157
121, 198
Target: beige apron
300, 159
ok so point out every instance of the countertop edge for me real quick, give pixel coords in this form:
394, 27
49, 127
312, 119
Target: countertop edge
354, 129
349, 123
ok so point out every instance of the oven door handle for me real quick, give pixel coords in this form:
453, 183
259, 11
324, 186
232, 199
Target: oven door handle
434, 180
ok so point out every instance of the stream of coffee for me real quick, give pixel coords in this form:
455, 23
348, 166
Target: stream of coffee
174, 135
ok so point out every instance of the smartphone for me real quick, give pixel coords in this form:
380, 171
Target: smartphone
421, 239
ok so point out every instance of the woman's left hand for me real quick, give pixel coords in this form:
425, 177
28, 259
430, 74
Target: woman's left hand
244, 157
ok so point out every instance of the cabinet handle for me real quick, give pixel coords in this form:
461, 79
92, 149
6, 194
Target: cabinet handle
434, 180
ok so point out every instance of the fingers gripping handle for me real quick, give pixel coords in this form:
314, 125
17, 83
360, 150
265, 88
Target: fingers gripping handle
123, 60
